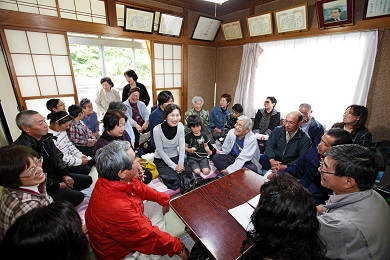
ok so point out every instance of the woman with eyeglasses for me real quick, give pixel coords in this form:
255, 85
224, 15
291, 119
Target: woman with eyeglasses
24, 184
76, 161
55, 105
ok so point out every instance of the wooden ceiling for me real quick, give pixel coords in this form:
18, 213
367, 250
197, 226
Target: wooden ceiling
209, 8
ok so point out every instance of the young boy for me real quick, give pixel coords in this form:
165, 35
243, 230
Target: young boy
79, 132
197, 146
231, 119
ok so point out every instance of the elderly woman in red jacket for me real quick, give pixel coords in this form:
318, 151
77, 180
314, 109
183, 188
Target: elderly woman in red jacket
118, 222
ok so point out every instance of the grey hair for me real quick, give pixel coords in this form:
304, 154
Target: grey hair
248, 120
112, 158
305, 105
117, 105
196, 99
24, 118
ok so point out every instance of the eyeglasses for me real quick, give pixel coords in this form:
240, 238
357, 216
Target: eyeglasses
33, 170
321, 171
322, 164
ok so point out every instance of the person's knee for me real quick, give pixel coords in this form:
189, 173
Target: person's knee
206, 171
197, 171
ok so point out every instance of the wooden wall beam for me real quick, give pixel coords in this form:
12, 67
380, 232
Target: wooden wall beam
111, 13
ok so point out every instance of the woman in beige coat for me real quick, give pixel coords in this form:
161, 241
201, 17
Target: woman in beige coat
106, 95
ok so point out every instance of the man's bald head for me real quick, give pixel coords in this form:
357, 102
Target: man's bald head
293, 121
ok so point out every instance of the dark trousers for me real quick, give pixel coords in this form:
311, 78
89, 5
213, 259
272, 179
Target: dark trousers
136, 136
167, 174
74, 195
264, 161
222, 161
88, 151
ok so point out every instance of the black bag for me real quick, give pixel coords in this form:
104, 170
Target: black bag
198, 252
147, 146
188, 181
382, 153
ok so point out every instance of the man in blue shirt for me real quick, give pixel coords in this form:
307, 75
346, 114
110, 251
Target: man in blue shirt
311, 126
218, 117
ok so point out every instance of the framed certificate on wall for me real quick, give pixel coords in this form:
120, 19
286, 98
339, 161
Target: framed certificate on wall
138, 20
291, 19
260, 24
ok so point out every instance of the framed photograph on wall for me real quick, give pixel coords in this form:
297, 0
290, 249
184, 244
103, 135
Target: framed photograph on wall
291, 19
206, 29
170, 25
138, 20
260, 24
334, 13
232, 31
376, 8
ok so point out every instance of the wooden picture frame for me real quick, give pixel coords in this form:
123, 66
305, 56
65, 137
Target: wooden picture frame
232, 31
376, 8
293, 19
334, 13
206, 29
138, 20
170, 25
260, 24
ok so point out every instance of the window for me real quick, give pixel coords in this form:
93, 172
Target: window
328, 72
168, 69
94, 57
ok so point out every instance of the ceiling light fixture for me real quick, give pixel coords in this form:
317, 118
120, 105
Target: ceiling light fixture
217, 1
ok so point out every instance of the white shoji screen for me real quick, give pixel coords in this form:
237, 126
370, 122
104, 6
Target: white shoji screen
41, 63
83, 10
45, 7
168, 65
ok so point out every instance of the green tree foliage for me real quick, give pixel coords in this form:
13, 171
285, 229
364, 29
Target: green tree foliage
85, 60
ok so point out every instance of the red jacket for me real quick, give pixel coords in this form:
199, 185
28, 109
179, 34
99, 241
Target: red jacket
116, 224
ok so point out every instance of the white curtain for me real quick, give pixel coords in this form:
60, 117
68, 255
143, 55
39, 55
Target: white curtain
328, 72
364, 82
246, 81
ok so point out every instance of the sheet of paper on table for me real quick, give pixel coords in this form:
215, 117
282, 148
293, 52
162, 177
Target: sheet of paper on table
243, 212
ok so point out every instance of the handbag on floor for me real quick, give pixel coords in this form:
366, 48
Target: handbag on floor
188, 181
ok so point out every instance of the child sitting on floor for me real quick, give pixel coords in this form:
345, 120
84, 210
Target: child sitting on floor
79, 132
231, 120
197, 146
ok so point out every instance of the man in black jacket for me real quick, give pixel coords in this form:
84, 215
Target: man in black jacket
286, 143
61, 185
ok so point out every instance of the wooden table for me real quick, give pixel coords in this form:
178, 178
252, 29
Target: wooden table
205, 212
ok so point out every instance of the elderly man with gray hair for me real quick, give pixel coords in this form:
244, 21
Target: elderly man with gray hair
197, 109
120, 224
240, 149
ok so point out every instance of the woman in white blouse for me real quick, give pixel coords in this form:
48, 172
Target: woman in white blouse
106, 95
